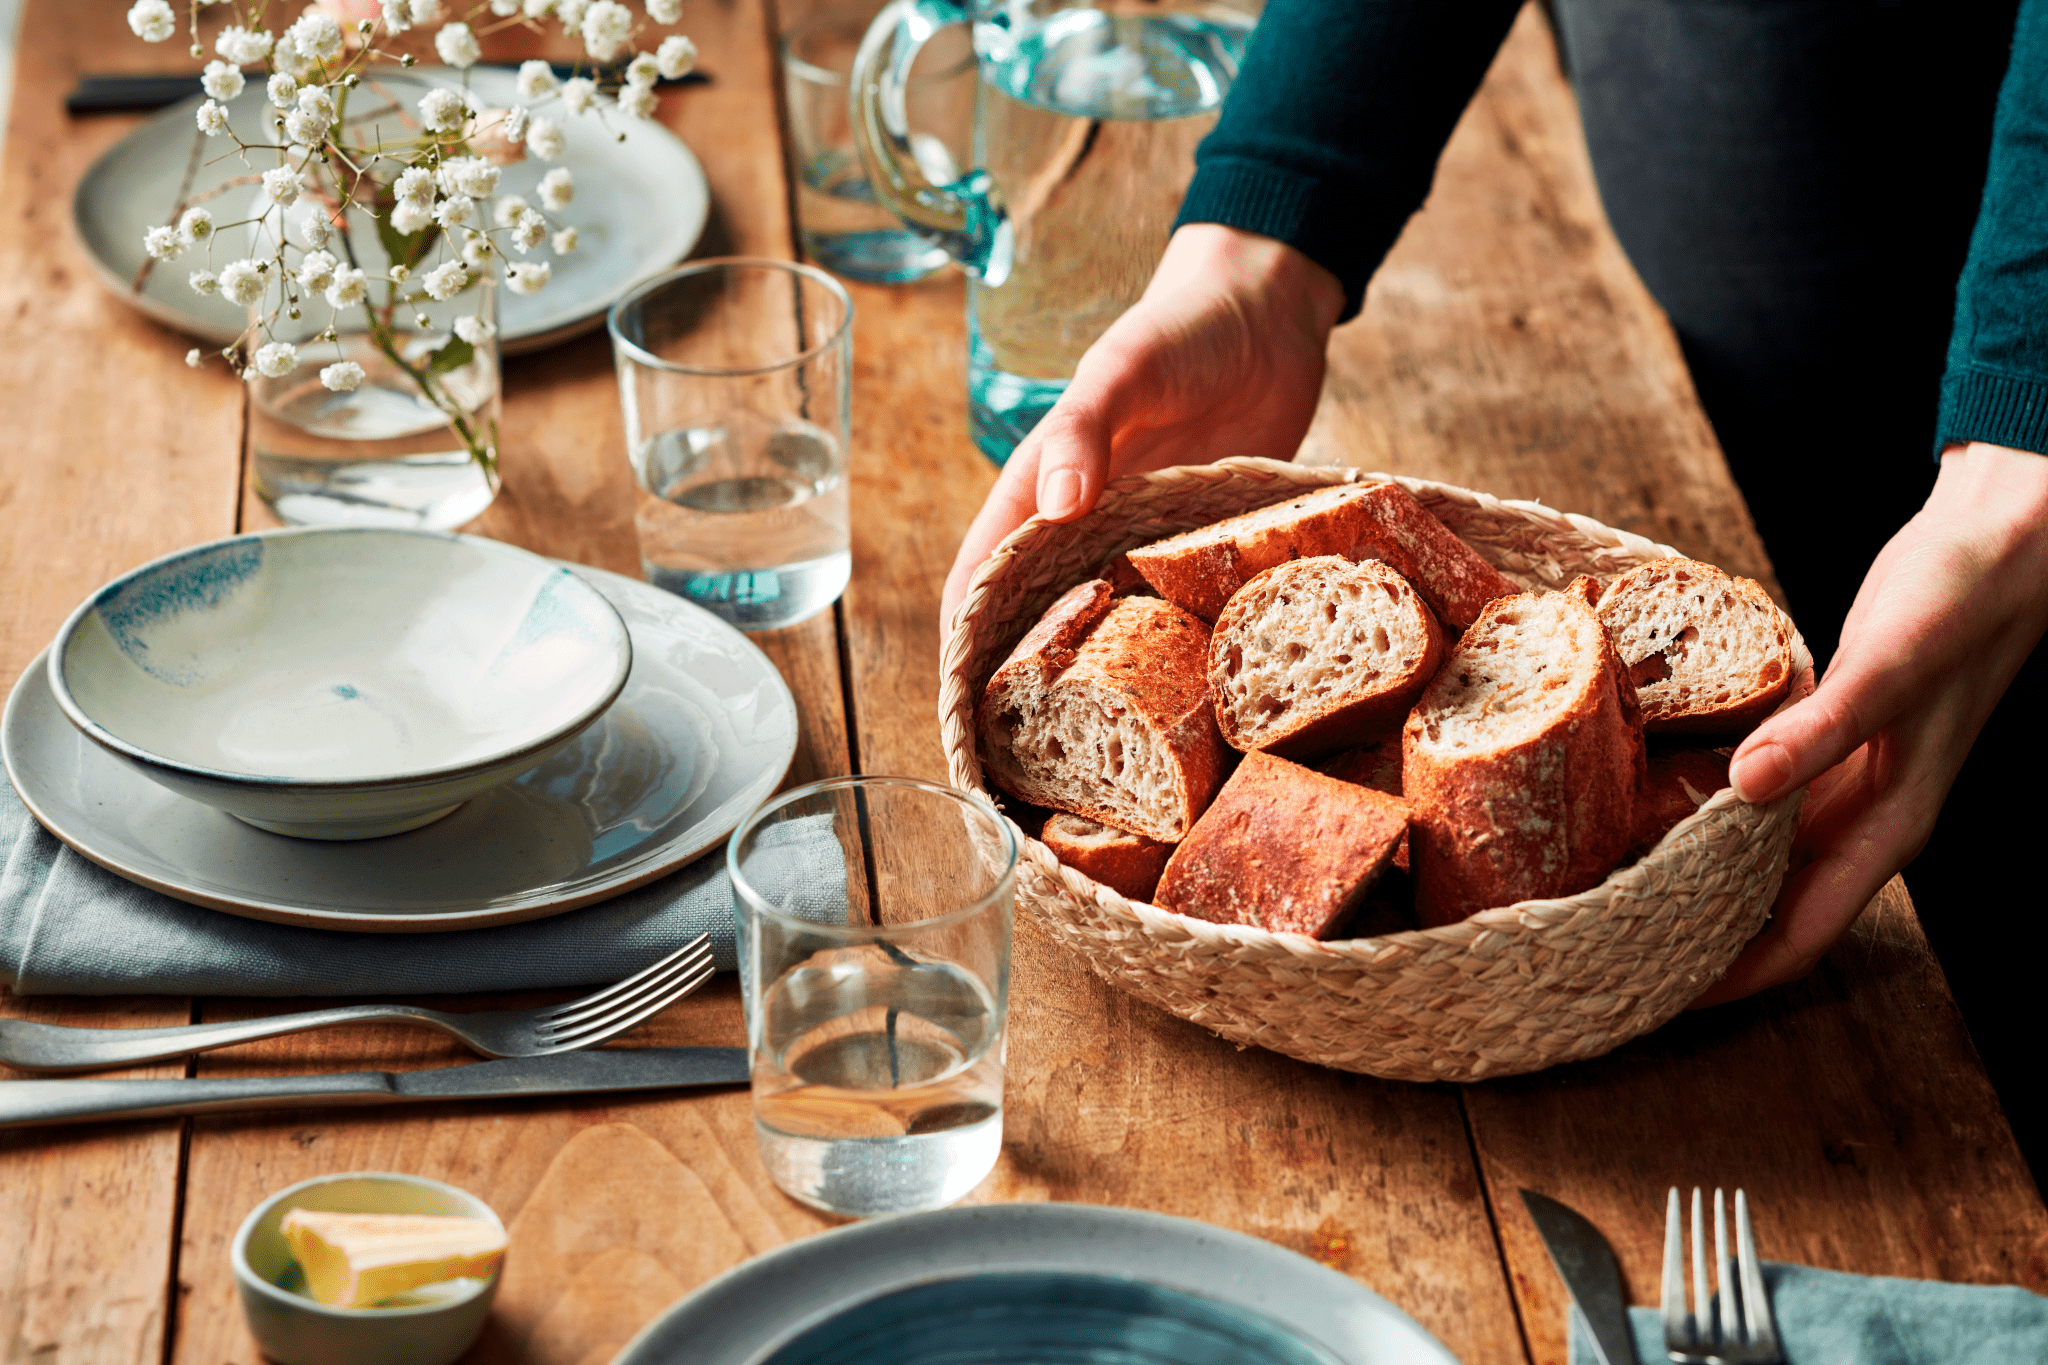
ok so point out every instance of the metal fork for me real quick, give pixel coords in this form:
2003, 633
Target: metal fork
494, 1033
1734, 1326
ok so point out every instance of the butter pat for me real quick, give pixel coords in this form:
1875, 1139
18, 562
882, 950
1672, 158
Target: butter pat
356, 1260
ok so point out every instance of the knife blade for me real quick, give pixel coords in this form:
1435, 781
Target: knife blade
1586, 1264
27, 1103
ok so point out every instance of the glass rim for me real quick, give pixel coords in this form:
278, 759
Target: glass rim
825, 75
640, 355
760, 905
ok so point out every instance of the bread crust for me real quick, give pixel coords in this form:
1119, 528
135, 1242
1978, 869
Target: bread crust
1676, 783
1138, 660
1375, 764
1544, 805
1126, 863
1710, 654
1313, 609
1283, 848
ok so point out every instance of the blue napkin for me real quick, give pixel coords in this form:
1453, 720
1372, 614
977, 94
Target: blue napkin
1827, 1318
70, 927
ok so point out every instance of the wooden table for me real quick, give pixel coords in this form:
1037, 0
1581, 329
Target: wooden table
1507, 345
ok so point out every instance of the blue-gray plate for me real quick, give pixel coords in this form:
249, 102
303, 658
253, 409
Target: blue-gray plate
1033, 1284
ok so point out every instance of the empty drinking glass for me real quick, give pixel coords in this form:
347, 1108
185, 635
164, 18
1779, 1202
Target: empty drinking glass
734, 376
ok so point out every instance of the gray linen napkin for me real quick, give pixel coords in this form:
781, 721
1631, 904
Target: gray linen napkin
70, 927
1827, 1318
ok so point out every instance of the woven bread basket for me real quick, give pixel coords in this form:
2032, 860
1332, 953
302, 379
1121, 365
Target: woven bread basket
1510, 990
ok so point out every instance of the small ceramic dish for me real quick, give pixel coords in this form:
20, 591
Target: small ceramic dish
339, 682
295, 1330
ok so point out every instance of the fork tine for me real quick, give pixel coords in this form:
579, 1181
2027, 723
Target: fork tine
662, 988
1702, 1320
1677, 1327
596, 1031
612, 991
1726, 1295
1760, 1328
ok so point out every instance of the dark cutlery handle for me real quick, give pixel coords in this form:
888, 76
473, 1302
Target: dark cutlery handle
25, 1104
141, 92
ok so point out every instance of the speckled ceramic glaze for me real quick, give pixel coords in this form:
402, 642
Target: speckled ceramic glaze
339, 682
295, 1330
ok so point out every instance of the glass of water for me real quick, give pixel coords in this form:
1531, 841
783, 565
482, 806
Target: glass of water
842, 225
734, 375
875, 1004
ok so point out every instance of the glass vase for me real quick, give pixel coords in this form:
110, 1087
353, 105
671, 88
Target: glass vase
416, 444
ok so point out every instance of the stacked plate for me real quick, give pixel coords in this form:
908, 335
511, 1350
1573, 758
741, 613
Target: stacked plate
392, 731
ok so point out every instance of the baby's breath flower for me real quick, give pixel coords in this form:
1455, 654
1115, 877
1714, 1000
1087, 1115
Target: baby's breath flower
316, 271
281, 183
343, 376
307, 130
571, 12
241, 282
408, 216
445, 281
152, 20
504, 9
317, 102
415, 185
443, 111
221, 81
283, 90
579, 95
350, 286
203, 282
192, 357
316, 229
242, 46
529, 232
212, 119
637, 101
470, 175
664, 11
528, 277
425, 11
164, 244
399, 274
537, 9
475, 331
196, 225
397, 15
457, 45
315, 35
545, 139
557, 188
607, 26
536, 80
643, 70
513, 129
454, 211
477, 251
677, 56
509, 210
565, 241
276, 360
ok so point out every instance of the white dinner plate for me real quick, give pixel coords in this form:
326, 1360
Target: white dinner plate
702, 733
1008, 1282
640, 206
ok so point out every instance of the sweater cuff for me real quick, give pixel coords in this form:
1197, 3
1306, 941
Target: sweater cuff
2001, 409
1327, 224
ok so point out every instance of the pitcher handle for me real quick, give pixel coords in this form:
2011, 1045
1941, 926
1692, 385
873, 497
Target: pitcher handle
964, 218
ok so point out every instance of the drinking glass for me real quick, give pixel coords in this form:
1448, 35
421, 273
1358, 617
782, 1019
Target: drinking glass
875, 1007
734, 374
841, 224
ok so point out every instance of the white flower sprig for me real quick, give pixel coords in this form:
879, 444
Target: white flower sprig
433, 198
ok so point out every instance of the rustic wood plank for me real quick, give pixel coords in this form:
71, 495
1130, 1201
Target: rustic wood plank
1850, 1105
1508, 345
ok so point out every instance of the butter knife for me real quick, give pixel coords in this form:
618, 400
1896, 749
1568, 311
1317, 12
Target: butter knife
24, 1104
1586, 1264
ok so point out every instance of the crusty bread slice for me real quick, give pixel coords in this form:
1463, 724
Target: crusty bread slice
1709, 654
1522, 761
1203, 568
1318, 654
1676, 783
1283, 848
1127, 863
1377, 765
1103, 710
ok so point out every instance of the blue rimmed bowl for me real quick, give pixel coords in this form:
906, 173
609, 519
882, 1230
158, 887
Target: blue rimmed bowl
340, 682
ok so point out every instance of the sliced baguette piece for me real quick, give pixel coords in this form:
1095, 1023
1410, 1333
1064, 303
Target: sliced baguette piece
1377, 765
1319, 654
1283, 848
1202, 569
1676, 783
1127, 863
1103, 710
1708, 653
1522, 761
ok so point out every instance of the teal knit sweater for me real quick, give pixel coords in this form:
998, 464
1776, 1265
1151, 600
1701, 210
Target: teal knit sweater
1330, 137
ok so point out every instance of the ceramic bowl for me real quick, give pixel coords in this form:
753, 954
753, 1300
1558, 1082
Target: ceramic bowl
340, 682
295, 1330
